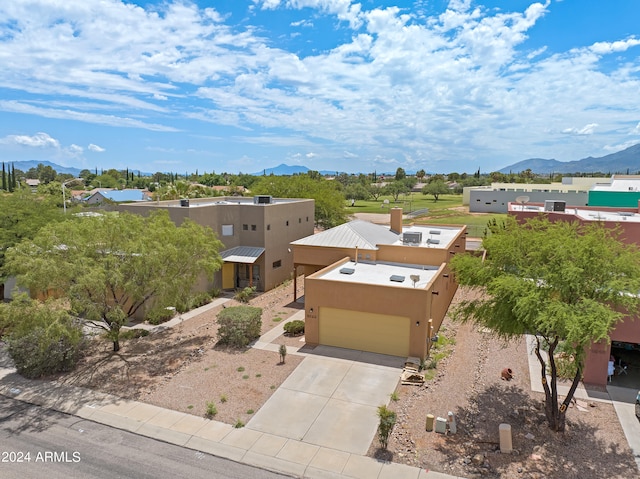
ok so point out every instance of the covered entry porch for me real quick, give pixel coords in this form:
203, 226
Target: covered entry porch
242, 267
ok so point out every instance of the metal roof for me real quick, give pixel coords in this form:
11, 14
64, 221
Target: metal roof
242, 254
122, 195
366, 235
362, 234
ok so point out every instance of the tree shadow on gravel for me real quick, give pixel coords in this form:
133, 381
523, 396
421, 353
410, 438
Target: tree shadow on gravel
138, 366
538, 451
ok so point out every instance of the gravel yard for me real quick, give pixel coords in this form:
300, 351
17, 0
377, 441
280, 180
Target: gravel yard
183, 369
468, 383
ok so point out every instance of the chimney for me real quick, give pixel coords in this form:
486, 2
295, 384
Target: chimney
396, 220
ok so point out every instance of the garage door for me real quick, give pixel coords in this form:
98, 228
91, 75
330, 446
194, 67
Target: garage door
377, 333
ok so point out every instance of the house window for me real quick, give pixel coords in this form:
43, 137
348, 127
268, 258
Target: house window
287, 222
245, 227
268, 227
307, 219
253, 227
277, 264
227, 230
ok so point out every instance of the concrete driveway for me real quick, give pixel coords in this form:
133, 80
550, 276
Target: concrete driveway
331, 402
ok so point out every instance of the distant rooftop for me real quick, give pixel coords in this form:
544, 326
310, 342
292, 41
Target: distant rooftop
583, 214
388, 274
366, 235
223, 200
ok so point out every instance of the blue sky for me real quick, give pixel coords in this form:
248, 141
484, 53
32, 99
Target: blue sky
243, 85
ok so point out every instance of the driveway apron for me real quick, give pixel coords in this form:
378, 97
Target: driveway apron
329, 402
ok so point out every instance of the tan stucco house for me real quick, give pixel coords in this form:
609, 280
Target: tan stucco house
378, 288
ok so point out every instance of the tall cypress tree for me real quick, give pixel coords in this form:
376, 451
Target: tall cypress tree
11, 179
4, 178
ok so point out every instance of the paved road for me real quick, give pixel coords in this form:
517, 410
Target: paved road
66, 447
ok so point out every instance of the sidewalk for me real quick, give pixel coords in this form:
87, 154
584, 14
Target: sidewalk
244, 445
249, 446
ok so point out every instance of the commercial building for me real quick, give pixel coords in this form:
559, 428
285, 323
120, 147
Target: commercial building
377, 288
256, 233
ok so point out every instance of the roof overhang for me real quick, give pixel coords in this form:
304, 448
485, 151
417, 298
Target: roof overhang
242, 254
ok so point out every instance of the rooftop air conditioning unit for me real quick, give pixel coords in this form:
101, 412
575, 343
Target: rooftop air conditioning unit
554, 205
262, 200
413, 238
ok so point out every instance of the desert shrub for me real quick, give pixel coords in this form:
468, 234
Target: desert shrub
193, 301
387, 421
244, 295
211, 410
133, 333
239, 325
160, 315
43, 339
294, 328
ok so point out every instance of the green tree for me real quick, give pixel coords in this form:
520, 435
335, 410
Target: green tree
376, 190
356, 192
435, 188
420, 174
111, 266
22, 215
329, 200
561, 282
396, 188
400, 174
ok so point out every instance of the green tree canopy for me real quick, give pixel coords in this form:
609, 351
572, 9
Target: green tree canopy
561, 282
329, 199
110, 266
435, 188
396, 188
22, 214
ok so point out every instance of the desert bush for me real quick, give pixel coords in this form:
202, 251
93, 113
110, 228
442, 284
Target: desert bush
294, 328
42, 339
160, 315
193, 301
387, 421
212, 410
133, 334
239, 325
244, 295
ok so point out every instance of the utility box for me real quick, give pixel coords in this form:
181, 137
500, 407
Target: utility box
441, 425
555, 205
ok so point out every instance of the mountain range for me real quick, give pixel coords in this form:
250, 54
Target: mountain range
626, 161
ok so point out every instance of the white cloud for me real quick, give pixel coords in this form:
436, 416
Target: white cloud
403, 87
76, 149
602, 48
95, 148
39, 140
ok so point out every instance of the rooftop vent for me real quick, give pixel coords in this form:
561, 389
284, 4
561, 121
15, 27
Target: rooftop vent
397, 278
412, 237
434, 232
433, 241
625, 213
262, 200
347, 270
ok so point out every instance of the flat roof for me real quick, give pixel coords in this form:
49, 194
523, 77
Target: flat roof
583, 214
220, 200
439, 237
380, 273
